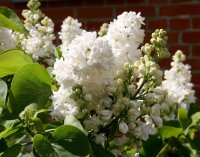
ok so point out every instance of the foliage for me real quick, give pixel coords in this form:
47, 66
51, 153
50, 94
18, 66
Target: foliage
172, 140
27, 84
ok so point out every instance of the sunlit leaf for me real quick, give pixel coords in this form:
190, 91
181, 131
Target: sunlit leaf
30, 84
183, 118
10, 20
69, 138
167, 132
71, 120
12, 151
99, 151
43, 147
12, 60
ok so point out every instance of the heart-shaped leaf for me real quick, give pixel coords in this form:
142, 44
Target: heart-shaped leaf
9, 19
72, 140
30, 84
43, 147
12, 60
12, 151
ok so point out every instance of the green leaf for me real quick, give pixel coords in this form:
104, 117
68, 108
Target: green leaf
3, 145
2, 106
30, 84
9, 131
44, 115
62, 152
37, 124
2, 128
167, 132
10, 20
183, 118
12, 151
173, 123
72, 140
3, 90
57, 52
99, 151
195, 118
43, 147
3, 94
113, 128
193, 109
193, 152
195, 143
12, 60
71, 120
180, 149
151, 147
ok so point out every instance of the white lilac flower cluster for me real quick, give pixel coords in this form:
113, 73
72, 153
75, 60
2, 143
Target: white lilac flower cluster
69, 30
87, 61
39, 41
7, 39
125, 35
106, 82
177, 86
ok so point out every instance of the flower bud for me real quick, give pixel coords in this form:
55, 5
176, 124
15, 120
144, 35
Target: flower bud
123, 127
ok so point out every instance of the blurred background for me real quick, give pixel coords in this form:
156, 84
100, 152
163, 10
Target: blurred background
180, 18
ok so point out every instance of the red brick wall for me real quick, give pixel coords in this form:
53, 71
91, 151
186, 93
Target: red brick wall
181, 19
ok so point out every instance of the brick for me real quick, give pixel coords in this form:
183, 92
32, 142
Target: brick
157, 1
145, 10
145, 26
196, 50
173, 37
19, 13
184, 9
93, 25
93, 12
165, 64
114, 2
174, 48
194, 62
197, 92
74, 3
196, 79
158, 23
198, 101
93, 2
56, 4
180, 1
59, 14
147, 37
135, 1
179, 24
23, 5
6, 4
191, 37
57, 26
196, 22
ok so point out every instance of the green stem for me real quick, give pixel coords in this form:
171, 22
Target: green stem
163, 150
143, 83
26, 128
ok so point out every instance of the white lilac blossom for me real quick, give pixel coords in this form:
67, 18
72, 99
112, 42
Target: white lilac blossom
63, 105
91, 90
39, 42
7, 39
106, 82
69, 30
178, 87
125, 35
88, 61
